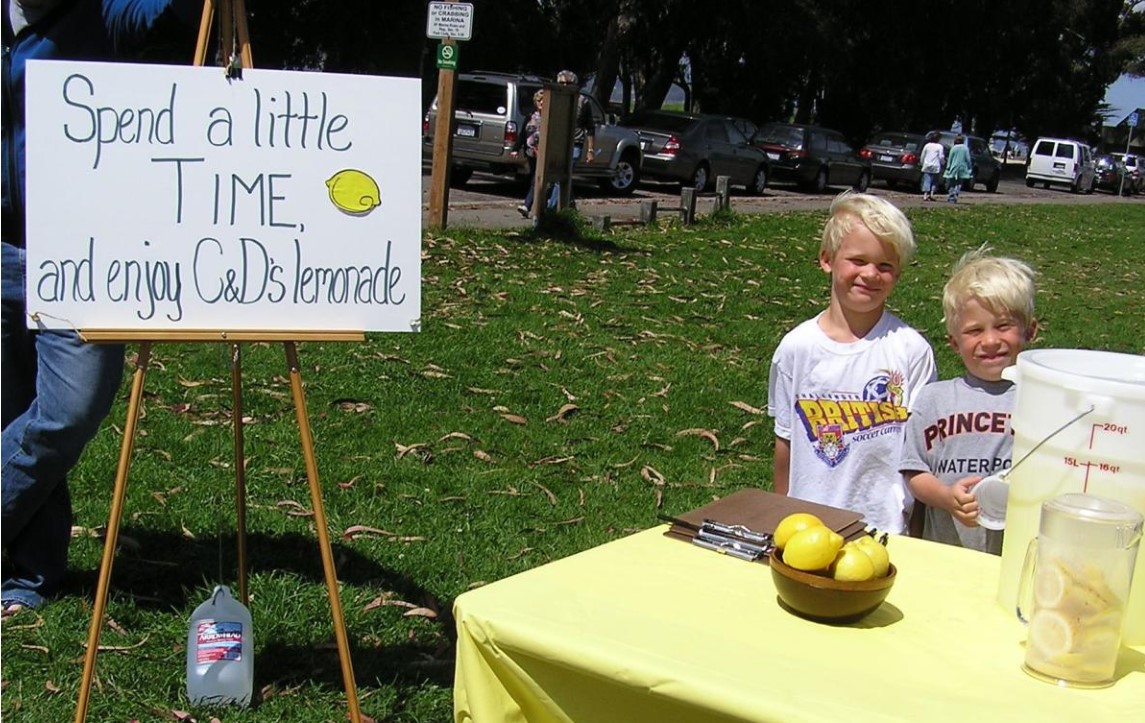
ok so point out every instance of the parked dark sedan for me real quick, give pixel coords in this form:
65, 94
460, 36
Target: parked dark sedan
895, 158
1111, 175
812, 156
692, 149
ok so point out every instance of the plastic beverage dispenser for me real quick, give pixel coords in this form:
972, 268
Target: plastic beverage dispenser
1101, 453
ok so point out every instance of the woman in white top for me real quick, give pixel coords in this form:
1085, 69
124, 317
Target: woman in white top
932, 157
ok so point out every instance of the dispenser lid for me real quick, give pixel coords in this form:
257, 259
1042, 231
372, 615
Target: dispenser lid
991, 494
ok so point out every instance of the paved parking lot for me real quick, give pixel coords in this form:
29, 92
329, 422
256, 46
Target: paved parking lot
491, 202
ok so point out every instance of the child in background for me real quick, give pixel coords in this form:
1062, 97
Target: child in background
842, 383
959, 431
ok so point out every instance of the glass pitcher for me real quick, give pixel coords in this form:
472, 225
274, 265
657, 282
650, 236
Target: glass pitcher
1074, 587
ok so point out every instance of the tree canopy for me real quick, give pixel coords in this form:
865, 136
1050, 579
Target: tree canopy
1041, 66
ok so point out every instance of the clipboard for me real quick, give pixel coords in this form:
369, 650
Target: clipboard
762, 511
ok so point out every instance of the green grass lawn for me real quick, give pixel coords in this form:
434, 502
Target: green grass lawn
561, 393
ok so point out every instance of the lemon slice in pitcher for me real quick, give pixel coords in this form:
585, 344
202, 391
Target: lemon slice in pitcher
1049, 585
1051, 633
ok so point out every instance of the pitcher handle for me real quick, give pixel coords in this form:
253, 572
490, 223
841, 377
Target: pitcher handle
1025, 588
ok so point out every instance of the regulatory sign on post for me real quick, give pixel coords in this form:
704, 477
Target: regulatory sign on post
1133, 119
450, 20
446, 57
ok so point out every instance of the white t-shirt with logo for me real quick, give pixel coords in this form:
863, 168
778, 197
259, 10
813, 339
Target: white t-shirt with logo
843, 407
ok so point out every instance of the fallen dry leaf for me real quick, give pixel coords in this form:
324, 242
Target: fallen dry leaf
482, 455
566, 411
403, 450
456, 435
355, 531
651, 474
51, 687
420, 613
548, 493
705, 433
293, 508
514, 418
746, 407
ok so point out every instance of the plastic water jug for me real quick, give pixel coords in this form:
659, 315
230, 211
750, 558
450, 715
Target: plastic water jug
1102, 453
220, 652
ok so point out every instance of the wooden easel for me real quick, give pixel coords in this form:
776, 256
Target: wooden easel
232, 22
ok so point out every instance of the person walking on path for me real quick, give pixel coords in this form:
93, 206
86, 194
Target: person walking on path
57, 389
931, 158
957, 168
529, 142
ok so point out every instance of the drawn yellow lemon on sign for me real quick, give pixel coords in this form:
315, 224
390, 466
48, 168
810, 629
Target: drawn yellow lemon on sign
354, 192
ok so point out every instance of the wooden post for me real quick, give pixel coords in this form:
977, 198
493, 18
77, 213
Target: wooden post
688, 205
554, 153
723, 193
442, 148
648, 212
601, 223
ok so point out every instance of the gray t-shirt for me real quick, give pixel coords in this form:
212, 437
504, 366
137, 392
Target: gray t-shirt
960, 428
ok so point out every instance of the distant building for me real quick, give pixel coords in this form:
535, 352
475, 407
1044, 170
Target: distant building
1114, 137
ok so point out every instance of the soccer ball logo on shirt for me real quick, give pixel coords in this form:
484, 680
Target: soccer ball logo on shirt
836, 420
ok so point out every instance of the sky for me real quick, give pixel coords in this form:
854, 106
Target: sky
1124, 96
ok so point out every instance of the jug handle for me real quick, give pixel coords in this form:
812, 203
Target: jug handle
1025, 588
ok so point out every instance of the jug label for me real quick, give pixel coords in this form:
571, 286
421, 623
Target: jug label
218, 640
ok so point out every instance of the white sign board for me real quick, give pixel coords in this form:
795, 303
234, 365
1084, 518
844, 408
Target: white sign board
450, 20
168, 197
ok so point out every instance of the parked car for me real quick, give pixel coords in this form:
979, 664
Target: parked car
1061, 161
1110, 175
692, 149
490, 109
812, 156
984, 167
1135, 170
894, 158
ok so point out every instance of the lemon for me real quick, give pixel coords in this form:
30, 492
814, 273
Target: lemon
813, 548
354, 192
1051, 633
793, 523
852, 564
1049, 585
873, 549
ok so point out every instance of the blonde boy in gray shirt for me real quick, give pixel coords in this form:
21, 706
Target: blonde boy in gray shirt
959, 430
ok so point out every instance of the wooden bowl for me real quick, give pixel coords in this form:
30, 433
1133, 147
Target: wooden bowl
821, 598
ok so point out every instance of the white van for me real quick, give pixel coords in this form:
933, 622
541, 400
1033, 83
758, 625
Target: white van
1061, 161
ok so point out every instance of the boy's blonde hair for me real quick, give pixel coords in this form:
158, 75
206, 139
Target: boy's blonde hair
880, 216
1004, 286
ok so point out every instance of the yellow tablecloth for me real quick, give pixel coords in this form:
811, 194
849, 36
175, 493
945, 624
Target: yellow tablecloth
652, 629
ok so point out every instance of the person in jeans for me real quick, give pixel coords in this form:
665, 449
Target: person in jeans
57, 389
930, 160
958, 168
529, 142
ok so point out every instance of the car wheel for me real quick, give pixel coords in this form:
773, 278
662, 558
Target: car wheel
758, 181
992, 184
1046, 185
863, 183
624, 178
819, 185
1029, 183
459, 176
700, 178
1075, 187
969, 185
1090, 187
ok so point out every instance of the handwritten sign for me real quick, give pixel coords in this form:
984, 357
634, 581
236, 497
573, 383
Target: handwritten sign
168, 197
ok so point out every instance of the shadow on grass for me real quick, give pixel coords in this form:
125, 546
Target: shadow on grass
571, 228
163, 569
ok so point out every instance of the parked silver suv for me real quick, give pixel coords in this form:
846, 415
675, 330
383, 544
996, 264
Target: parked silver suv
490, 109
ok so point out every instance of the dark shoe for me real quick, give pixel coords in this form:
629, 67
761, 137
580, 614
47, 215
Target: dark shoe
523, 210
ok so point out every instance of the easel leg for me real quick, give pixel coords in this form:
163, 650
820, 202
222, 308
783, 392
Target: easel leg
240, 466
112, 536
323, 532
